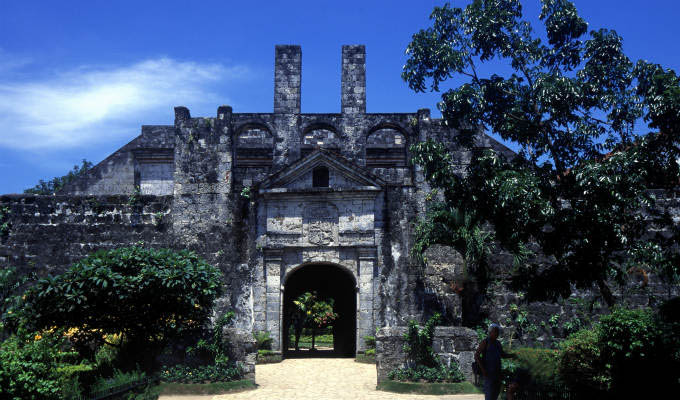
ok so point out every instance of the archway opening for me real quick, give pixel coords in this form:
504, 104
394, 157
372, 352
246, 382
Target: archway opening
329, 281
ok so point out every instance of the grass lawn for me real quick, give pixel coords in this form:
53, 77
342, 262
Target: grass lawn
172, 388
320, 341
428, 388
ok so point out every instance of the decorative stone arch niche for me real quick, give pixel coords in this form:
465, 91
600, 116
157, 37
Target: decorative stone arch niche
386, 147
319, 136
254, 146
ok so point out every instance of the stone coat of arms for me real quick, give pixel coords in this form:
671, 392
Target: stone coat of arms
321, 220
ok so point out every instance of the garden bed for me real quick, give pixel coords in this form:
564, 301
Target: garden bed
428, 388
268, 357
365, 358
173, 388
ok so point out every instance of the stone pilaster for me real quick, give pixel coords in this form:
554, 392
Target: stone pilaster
272, 262
365, 317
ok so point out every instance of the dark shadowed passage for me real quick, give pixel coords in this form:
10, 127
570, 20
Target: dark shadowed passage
329, 281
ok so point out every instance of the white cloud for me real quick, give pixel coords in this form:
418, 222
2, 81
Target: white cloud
88, 105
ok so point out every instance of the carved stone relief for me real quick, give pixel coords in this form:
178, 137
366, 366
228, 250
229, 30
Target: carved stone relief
321, 222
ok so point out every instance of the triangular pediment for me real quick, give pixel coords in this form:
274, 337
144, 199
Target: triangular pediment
344, 174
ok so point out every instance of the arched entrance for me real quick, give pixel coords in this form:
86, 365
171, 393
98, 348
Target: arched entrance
329, 281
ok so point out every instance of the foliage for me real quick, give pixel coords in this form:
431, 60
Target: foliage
125, 379
5, 225
268, 357
581, 364
167, 388
263, 340
37, 365
313, 313
418, 343
539, 365
421, 361
11, 284
581, 175
369, 341
201, 373
436, 389
148, 296
625, 348
118, 378
135, 197
215, 348
631, 343
439, 373
212, 352
56, 184
367, 357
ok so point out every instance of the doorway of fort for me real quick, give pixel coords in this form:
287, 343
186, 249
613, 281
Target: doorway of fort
329, 281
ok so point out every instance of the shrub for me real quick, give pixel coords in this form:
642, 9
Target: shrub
581, 365
418, 346
33, 366
201, 374
118, 378
422, 363
147, 295
75, 378
440, 373
213, 348
541, 365
263, 340
211, 353
631, 342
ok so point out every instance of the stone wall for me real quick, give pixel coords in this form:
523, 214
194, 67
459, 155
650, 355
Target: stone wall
48, 233
464, 301
450, 343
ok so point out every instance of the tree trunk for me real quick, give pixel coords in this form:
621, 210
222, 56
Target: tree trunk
313, 337
606, 292
298, 332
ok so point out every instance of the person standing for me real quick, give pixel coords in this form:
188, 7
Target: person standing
488, 357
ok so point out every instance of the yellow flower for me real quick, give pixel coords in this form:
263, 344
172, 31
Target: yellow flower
37, 337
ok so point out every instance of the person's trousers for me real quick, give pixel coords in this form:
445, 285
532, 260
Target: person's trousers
492, 388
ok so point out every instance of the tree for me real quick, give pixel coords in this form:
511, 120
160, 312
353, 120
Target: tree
572, 106
148, 296
322, 316
312, 313
56, 184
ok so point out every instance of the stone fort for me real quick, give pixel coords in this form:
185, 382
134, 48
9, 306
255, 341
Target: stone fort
282, 202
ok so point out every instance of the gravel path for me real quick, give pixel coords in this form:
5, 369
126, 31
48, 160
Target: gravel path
317, 379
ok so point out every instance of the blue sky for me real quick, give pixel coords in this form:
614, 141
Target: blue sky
79, 78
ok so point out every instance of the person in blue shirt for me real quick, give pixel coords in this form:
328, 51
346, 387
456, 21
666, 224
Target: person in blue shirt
488, 357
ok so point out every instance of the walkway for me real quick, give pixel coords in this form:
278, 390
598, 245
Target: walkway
318, 379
